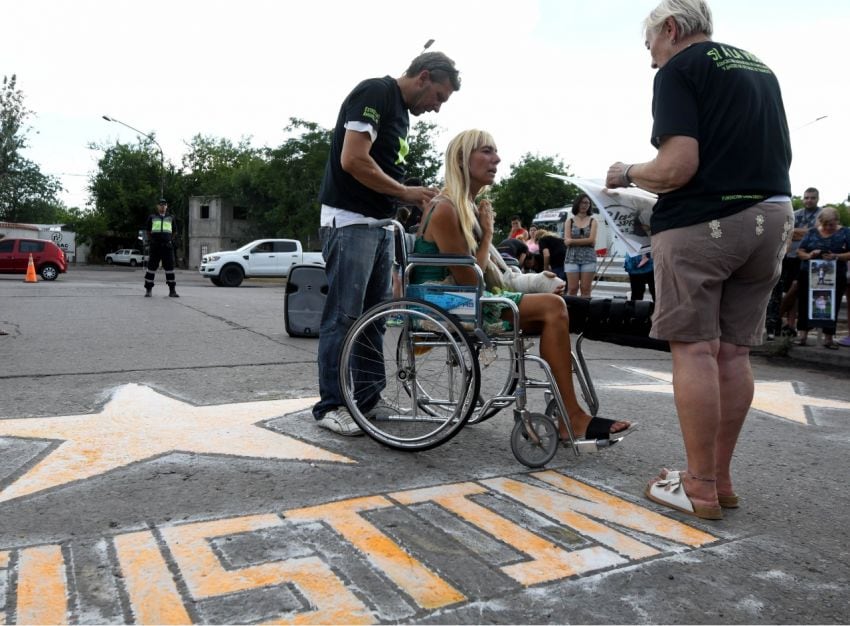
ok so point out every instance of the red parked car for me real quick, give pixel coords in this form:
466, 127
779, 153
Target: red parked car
48, 258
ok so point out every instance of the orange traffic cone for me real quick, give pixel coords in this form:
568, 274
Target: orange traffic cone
31, 278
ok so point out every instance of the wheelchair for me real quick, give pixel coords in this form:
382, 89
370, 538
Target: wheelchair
425, 353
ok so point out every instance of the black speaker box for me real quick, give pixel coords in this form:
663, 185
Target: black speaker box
306, 290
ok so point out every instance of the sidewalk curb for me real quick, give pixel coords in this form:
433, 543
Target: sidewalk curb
814, 354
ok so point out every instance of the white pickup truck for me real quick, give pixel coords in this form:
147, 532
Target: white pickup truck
260, 258
126, 256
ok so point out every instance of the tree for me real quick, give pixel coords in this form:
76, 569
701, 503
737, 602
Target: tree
528, 190
278, 186
125, 190
292, 181
26, 195
424, 160
13, 114
211, 165
89, 226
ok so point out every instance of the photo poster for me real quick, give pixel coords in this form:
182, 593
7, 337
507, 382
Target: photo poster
822, 292
626, 210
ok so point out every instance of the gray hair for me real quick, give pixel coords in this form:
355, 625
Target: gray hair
439, 66
691, 16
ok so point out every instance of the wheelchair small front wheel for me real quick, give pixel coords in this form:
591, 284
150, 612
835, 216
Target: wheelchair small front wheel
538, 447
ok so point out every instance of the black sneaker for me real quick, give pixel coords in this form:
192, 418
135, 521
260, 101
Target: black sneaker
787, 331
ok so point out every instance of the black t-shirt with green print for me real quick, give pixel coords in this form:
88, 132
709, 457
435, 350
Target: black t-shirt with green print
377, 102
731, 103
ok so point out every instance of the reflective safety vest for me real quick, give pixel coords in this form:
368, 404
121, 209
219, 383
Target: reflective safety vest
162, 224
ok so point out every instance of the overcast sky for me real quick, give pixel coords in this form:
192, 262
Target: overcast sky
565, 78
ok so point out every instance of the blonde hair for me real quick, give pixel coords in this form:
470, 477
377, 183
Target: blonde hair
827, 214
458, 186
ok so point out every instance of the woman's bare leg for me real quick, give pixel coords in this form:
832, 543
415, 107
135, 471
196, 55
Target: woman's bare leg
547, 314
586, 281
572, 283
736, 396
713, 390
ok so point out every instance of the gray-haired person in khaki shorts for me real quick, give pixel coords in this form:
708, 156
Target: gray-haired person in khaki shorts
718, 234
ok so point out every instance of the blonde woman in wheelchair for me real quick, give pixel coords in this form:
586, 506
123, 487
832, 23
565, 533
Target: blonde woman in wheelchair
454, 224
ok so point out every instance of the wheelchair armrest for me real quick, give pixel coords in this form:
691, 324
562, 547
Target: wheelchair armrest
441, 260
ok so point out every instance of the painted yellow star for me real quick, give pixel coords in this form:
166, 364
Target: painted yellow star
779, 399
138, 423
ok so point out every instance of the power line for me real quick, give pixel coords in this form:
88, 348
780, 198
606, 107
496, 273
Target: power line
817, 119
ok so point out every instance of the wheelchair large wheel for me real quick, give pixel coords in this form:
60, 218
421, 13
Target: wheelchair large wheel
421, 361
536, 448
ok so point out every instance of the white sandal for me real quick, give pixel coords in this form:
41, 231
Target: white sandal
670, 492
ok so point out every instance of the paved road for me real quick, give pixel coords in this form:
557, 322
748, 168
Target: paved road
158, 464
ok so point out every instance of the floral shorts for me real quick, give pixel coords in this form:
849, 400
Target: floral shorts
713, 280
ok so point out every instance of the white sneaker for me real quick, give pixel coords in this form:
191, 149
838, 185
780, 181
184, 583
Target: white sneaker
339, 421
384, 408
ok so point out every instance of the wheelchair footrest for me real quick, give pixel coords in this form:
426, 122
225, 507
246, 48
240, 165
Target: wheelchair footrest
586, 446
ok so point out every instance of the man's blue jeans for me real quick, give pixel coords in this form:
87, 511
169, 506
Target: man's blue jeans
358, 264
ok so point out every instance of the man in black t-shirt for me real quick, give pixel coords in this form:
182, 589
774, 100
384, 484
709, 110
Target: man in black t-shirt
361, 185
514, 248
554, 252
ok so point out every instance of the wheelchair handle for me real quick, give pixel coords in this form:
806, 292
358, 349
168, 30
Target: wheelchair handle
387, 222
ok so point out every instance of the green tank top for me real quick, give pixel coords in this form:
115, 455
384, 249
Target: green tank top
426, 273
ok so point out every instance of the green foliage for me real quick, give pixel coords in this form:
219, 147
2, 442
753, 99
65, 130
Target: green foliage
26, 195
126, 187
843, 213
290, 206
13, 114
528, 190
89, 226
211, 165
424, 160
280, 186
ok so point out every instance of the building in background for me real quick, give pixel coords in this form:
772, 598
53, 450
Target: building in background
65, 239
214, 224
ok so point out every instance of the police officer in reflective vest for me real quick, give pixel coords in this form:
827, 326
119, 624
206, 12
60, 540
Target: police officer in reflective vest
161, 230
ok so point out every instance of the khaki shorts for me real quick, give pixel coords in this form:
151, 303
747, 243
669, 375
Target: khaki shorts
713, 280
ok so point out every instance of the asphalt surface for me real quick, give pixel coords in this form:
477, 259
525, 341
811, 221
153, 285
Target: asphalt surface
159, 464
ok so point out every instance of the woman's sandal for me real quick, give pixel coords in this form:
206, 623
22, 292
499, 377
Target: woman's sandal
830, 345
728, 502
600, 428
670, 492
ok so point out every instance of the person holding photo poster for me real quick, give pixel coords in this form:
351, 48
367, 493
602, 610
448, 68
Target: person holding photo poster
718, 233
824, 253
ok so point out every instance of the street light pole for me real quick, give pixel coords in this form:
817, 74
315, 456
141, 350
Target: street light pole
161, 156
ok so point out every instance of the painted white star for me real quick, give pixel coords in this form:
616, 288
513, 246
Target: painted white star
779, 399
138, 423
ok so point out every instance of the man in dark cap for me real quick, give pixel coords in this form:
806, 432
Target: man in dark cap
161, 230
